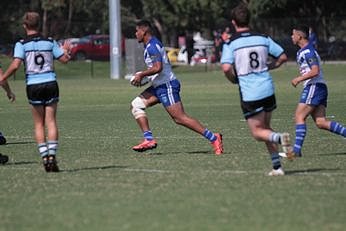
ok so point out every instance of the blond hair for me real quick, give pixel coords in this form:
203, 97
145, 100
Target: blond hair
31, 20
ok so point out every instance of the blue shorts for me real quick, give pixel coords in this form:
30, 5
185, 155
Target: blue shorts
315, 94
168, 93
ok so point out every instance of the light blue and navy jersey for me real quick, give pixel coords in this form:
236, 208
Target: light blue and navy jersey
155, 52
38, 54
306, 58
248, 52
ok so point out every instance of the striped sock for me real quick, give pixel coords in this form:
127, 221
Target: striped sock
42, 149
300, 136
337, 128
148, 135
274, 137
52, 147
209, 135
275, 160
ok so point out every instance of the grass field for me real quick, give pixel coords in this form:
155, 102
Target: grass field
181, 185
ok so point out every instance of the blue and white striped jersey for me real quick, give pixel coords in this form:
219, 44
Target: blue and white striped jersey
38, 54
248, 52
306, 58
155, 52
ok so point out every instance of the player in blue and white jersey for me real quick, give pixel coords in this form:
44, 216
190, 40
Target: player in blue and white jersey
244, 62
164, 89
313, 99
38, 54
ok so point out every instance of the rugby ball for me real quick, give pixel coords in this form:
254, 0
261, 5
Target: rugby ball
144, 80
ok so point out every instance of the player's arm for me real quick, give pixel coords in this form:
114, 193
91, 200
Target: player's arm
14, 66
315, 69
66, 47
11, 96
229, 72
277, 62
155, 69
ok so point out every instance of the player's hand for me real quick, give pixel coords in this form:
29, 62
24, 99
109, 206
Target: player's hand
295, 81
66, 46
137, 80
11, 96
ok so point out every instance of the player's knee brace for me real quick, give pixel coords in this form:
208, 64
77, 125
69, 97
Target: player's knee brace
138, 107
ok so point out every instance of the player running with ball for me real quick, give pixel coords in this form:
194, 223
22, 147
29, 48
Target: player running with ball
165, 89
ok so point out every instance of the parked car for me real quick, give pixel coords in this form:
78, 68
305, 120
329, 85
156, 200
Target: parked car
91, 47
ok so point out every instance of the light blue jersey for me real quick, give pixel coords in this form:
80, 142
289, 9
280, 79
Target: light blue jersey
155, 52
38, 54
306, 58
248, 52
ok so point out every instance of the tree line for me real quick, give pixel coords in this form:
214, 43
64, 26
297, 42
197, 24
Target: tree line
75, 18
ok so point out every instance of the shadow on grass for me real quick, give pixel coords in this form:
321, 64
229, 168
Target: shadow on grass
21, 163
206, 152
93, 168
312, 170
20, 142
190, 152
333, 154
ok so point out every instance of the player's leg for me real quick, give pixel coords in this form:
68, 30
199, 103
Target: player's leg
302, 112
170, 98
52, 135
319, 116
138, 105
2, 139
38, 115
3, 159
259, 125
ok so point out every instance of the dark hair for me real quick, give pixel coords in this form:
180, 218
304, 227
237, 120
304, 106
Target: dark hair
241, 15
304, 29
145, 23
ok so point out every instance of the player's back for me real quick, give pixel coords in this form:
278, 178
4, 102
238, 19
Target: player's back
38, 54
249, 52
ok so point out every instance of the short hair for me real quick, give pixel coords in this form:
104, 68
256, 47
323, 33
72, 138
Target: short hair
32, 20
145, 23
241, 15
304, 29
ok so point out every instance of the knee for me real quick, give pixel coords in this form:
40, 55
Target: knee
178, 120
138, 107
256, 135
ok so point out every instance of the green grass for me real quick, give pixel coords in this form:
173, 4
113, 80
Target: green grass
180, 185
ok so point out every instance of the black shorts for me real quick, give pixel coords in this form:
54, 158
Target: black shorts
252, 108
43, 93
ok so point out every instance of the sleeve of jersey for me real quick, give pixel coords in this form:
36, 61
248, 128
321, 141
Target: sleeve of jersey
154, 54
227, 54
311, 58
275, 49
19, 51
57, 51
